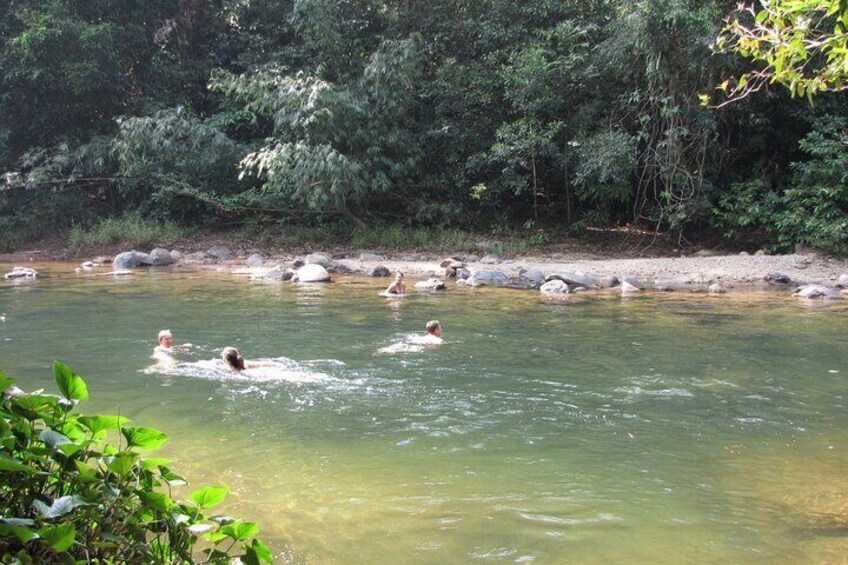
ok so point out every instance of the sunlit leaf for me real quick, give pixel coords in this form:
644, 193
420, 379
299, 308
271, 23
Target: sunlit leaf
144, 438
241, 531
98, 424
207, 497
71, 385
60, 537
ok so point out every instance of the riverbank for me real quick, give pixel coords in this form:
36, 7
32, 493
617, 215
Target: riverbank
597, 255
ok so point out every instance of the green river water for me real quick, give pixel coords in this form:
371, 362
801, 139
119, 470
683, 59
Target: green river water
660, 428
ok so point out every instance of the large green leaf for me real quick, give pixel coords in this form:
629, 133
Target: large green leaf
14, 466
5, 382
60, 506
60, 537
54, 439
70, 384
257, 553
158, 501
240, 531
23, 533
122, 463
144, 438
99, 423
207, 497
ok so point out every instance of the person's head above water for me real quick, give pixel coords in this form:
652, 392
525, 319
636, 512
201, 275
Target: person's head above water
165, 339
232, 358
434, 327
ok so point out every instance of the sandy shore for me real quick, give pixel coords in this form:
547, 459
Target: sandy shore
730, 270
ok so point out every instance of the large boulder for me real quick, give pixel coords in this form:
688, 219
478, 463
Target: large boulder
488, 278
576, 279
160, 257
347, 267
631, 281
842, 281
322, 259
554, 286
607, 281
312, 273
380, 271
818, 291
131, 260
532, 278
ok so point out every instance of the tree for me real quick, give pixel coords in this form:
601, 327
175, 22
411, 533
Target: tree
800, 44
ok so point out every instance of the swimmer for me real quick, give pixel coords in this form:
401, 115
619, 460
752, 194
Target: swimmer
433, 333
235, 362
397, 287
164, 352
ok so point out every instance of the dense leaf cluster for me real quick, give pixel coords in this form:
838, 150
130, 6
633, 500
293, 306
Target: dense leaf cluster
476, 114
77, 489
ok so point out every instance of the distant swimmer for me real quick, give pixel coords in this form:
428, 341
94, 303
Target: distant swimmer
235, 362
164, 352
417, 342
397, 287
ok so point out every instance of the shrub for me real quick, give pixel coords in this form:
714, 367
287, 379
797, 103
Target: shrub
69, 495
130, 229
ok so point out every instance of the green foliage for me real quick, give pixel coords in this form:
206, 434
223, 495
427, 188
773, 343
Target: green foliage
130, 229
800, 44
813, 209
71, 495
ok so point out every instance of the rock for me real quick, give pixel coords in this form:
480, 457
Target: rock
130, 260
451, 262
842, 281
312, 273
672, 281
607, 281
320, 259
87, 265
532, 278
255, 260
298, 262
160, 257
744, 254
760, 253
488, 278
627, 286
278, 273
219, 252
101, 260
380, 271
430, 284
631, 280
555, 286
818, 291
490, 259
472, 258
574, 279
176, 255
347, 266
462, 273
21, 273
777, 278
716, 288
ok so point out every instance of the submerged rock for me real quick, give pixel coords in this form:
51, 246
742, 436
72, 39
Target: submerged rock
818, 291
21, 273
430, 284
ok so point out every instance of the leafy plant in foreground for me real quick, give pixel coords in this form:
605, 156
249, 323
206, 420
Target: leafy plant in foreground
68, 494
